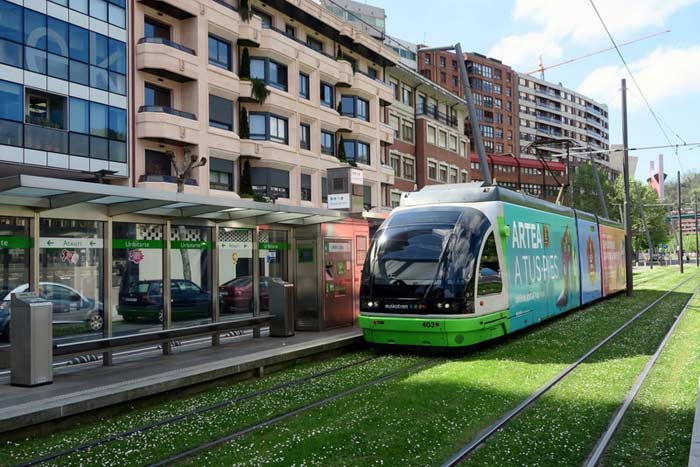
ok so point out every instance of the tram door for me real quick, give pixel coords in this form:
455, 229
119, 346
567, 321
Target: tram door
338, 282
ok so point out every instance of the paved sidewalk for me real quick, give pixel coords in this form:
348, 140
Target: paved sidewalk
82, 388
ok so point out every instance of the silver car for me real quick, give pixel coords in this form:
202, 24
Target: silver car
69, 306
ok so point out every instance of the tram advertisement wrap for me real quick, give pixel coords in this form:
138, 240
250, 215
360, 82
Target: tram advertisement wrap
612, 242
589, 251
542, 257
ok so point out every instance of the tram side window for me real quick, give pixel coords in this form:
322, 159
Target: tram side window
490, 281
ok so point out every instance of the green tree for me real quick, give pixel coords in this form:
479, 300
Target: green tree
690, 187
656, 216
585, 194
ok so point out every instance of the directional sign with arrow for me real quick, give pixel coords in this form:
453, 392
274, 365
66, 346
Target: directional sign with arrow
58, 242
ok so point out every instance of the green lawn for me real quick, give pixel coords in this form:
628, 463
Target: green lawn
422, 418
657, 427
417, 419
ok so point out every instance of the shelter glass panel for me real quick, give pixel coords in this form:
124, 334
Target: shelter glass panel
190, 275
236, 272
272, 257
137, 277
14, 266
70, 277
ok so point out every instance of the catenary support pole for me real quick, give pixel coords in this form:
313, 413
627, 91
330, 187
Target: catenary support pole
568, 176
680, 225
626, 175
474, 122
697, 250
601, 195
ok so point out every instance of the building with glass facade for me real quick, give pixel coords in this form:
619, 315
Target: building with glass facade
64, 87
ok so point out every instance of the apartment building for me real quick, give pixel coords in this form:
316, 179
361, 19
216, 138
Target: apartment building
64, 100
365, 18
555, 117
493, 86
279, 91
430, 146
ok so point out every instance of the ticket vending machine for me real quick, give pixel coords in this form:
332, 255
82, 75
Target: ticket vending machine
328, 261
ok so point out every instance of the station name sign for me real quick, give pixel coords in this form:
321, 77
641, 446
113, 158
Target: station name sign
60, 242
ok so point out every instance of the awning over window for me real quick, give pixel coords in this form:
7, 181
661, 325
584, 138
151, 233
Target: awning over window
45, 194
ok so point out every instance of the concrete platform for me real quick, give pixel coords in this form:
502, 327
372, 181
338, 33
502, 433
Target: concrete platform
81, 388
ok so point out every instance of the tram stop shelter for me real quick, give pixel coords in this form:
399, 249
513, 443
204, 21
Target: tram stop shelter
130, 266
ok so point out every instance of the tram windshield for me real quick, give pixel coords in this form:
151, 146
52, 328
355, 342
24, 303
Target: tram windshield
425, 255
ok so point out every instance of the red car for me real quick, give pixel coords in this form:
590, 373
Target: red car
236, 295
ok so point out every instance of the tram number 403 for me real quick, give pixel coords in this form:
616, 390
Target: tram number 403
431, 324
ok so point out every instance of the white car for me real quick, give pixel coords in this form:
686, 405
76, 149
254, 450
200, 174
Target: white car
69, 306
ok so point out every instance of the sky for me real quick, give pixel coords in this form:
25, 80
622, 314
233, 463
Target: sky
518, 32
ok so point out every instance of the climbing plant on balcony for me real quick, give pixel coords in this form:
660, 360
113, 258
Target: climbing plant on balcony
342, 156
245, 64
245, 11
244, 128
259, 91
246, 190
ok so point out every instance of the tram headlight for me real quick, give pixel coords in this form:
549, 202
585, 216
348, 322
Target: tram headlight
447, 306
370, 304
439, 305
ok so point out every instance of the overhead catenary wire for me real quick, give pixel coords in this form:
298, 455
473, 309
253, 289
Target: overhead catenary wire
688, 146
639, 88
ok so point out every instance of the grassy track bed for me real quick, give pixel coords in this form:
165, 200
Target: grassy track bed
422, 418
657, 428
563, 426
173, 438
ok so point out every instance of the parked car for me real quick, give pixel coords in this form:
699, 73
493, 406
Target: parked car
144, 300
237, 295
69, 306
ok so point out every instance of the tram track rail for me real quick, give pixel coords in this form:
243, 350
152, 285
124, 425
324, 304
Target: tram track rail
603, 442
486, 434
292, 413
193, 413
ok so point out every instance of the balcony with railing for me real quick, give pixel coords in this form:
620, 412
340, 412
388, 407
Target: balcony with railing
166, 58
161, 123
434, 114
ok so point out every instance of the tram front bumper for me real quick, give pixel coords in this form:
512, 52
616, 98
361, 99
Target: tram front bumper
433, 332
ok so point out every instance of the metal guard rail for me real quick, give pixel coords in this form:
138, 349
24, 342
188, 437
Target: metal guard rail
163, 335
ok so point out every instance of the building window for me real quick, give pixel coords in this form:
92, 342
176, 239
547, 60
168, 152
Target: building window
305, 187
155, 29
357, 151
372, 72
289, 30
407, 96
157, 163
11, 113
455, 81
327, 143
221, 174
464, 176
304, 136
304, 85
219, 52
47, 110
453, 143
327, 95
443, 173
426, 59
220, 113
409, 172
395, 124
453, 175
443, 139
264, 126
367, 197
155, 96
486, 130
443, 62
432, 170
443, 77
272, 183
407, 131
396, 165
314, 43
395, 199
324, 190
432, 135
396, 88
265, 17
270, 71
353, 106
